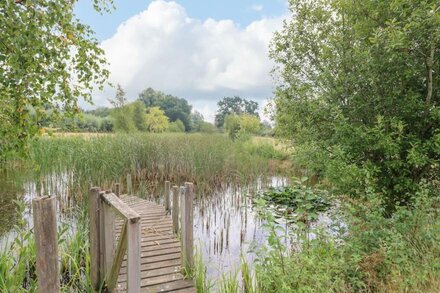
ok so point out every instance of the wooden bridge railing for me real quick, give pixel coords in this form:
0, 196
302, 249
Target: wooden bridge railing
105, 260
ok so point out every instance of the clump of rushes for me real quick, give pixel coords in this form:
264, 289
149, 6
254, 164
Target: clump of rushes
18, 257
199, 274
299, 199
206, 160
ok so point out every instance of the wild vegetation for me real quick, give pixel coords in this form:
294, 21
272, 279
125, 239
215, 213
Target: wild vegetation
80, 161
356, 104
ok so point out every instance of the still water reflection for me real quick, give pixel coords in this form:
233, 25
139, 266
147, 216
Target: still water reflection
226, 226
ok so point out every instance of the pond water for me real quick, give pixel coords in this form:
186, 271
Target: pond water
226, 225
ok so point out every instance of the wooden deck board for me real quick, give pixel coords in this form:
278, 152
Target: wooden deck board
160, 250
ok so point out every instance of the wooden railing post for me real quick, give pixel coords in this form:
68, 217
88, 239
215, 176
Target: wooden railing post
108, 237
182, 215
175, 213
118, 189
133, 256
187, 233
101, 237
167, 196
129, 186
46, 242
94, 211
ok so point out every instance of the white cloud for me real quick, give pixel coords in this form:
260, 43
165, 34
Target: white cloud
257, 7
202, 61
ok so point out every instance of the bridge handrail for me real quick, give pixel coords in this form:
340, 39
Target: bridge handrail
106, 261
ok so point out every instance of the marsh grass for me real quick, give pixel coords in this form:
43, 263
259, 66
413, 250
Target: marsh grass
68, 166
18, 257
206, 160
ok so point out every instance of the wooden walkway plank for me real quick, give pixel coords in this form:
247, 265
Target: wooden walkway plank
161, 264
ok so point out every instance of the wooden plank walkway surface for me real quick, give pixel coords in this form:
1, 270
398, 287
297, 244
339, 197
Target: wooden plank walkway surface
160, 250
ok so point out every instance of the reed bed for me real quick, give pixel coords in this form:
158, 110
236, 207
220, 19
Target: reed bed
206, 160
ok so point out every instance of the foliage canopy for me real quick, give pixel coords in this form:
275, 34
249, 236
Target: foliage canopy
48, 59
360, 92
234, 105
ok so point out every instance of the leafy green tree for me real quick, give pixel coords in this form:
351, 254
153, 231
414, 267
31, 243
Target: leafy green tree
47, 58
120, 100
176, 126
234, 105
123, 119
360, 92
106, 125
123, 113
100, 112
139, 113
156, 120
197, 120
174, 108
241, 126
206, 127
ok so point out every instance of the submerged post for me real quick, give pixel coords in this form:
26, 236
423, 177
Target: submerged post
46, 242
175, 213
94, 203
129, 191
118, 189
167, 196
187, 234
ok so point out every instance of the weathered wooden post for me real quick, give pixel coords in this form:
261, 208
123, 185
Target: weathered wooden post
175, 213
118, 189
134, 256
108, 237
46, 242
182, 215
129, 191
187, 234
94, 216
167, 196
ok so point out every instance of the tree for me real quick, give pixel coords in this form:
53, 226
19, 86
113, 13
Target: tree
234, 105
174, 108
197, 120
139, 112
241, 126
206, 127
122, 113
120, 100
123, 119
359, 93
156, 120
176, 126
47, 58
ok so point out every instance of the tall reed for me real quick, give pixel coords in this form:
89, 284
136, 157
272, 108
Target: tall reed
206, 160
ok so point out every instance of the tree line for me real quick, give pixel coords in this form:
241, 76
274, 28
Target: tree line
155, 111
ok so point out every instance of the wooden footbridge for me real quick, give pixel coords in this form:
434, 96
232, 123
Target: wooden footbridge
134, 243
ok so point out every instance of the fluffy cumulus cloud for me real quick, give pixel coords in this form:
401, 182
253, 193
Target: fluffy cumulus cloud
202, 61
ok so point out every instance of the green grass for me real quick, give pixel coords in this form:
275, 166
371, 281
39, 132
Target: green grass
205, 159
18, 257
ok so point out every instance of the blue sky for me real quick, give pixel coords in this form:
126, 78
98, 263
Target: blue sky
243, 12
200, 50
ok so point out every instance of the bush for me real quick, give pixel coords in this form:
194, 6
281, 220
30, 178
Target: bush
176, 126
365, 252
